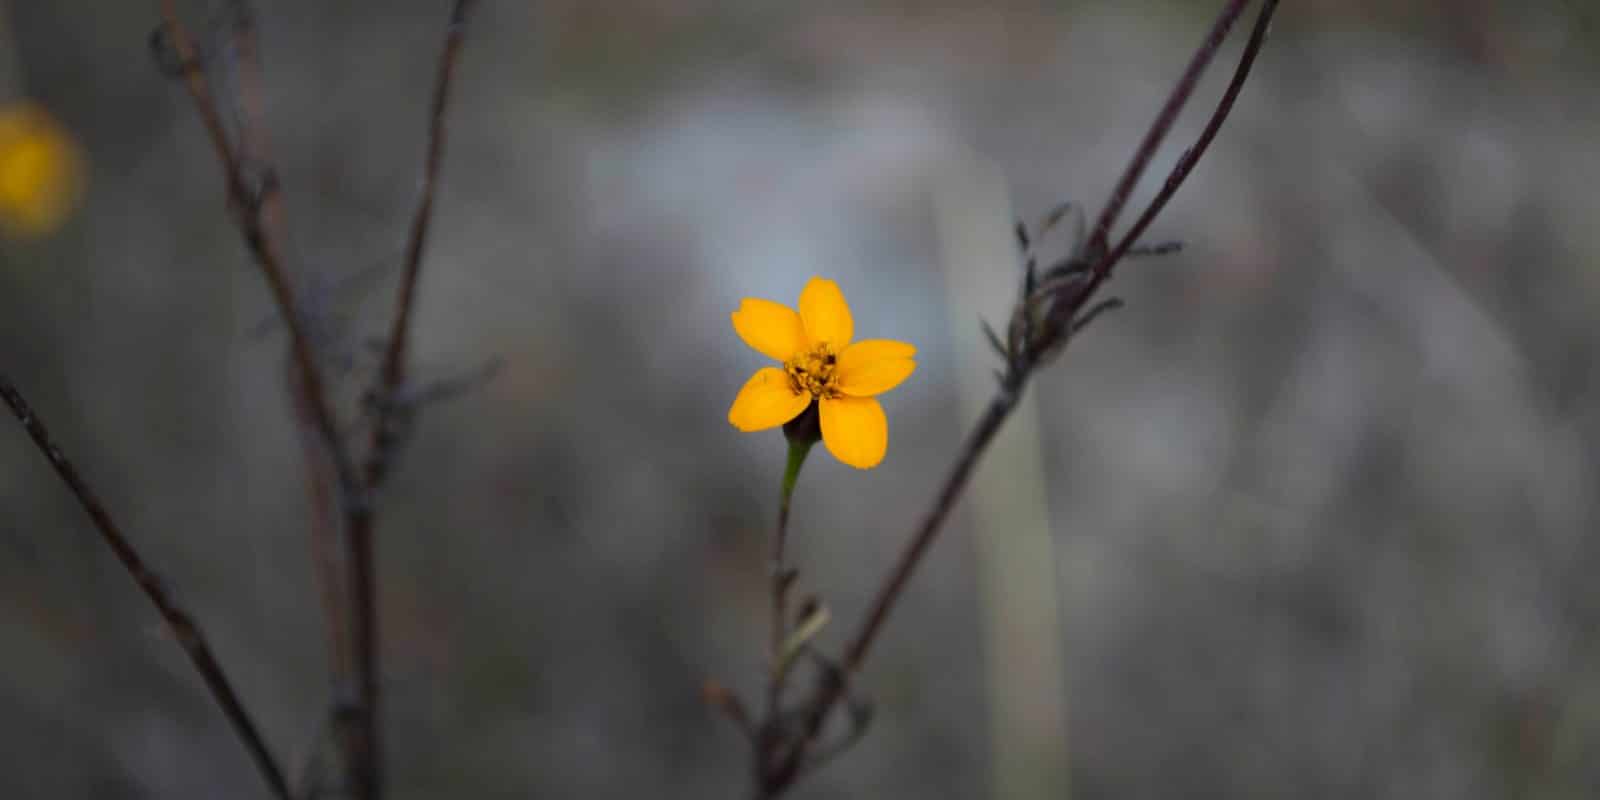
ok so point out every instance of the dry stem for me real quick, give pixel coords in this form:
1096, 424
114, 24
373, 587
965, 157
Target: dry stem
184, 628
258, 212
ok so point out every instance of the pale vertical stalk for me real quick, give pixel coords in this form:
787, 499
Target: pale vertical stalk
1014, 554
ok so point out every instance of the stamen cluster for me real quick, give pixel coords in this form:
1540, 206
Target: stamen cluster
813, 372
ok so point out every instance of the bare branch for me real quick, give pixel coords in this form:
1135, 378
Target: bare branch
184, 628
246, 202
389, 417
393, 372
258, 212
1191, 156
1163, 123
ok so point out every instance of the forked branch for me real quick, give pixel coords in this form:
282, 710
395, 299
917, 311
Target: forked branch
392, 375
255, 199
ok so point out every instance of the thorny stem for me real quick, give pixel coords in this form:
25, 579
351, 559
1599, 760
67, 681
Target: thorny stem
184, 628
779, 773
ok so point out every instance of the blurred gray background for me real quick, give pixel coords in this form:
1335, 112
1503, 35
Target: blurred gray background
1319, 504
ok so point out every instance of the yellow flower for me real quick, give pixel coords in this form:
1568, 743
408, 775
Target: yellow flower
820, 362
40, 172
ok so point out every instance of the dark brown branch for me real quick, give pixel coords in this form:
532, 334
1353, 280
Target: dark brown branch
354, 723
393, 373
245, 200
1101, 232
1180, 172
321, 478
184, 628
257, 211
1000, 408
325, 544
253, 147
257, 207
388, 415
777, 772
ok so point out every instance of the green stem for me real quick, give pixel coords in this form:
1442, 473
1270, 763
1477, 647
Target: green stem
782, 576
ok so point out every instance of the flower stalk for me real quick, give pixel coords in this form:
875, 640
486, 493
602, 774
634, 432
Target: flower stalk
803, 432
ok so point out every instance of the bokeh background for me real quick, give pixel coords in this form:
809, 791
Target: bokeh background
1317, 511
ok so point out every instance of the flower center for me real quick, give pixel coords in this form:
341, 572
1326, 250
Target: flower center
813, 371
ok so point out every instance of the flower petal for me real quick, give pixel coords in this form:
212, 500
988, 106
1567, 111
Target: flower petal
874, 366
855, 430
773, 329
766, 401
825, 313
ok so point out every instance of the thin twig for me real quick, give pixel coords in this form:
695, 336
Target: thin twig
184, 628
253, 143
1000, 408
388, 414
353, 725
393, 373
1101, 234
1191, 156
265, 248
779, 773
254, 149
781, 578
325, 545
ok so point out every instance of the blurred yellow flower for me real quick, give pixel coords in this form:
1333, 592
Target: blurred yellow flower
820, 362
40, 171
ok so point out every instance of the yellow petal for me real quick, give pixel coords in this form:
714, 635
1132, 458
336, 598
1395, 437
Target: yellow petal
766, 401
773, 329
826, 315
855, 430
874, 366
